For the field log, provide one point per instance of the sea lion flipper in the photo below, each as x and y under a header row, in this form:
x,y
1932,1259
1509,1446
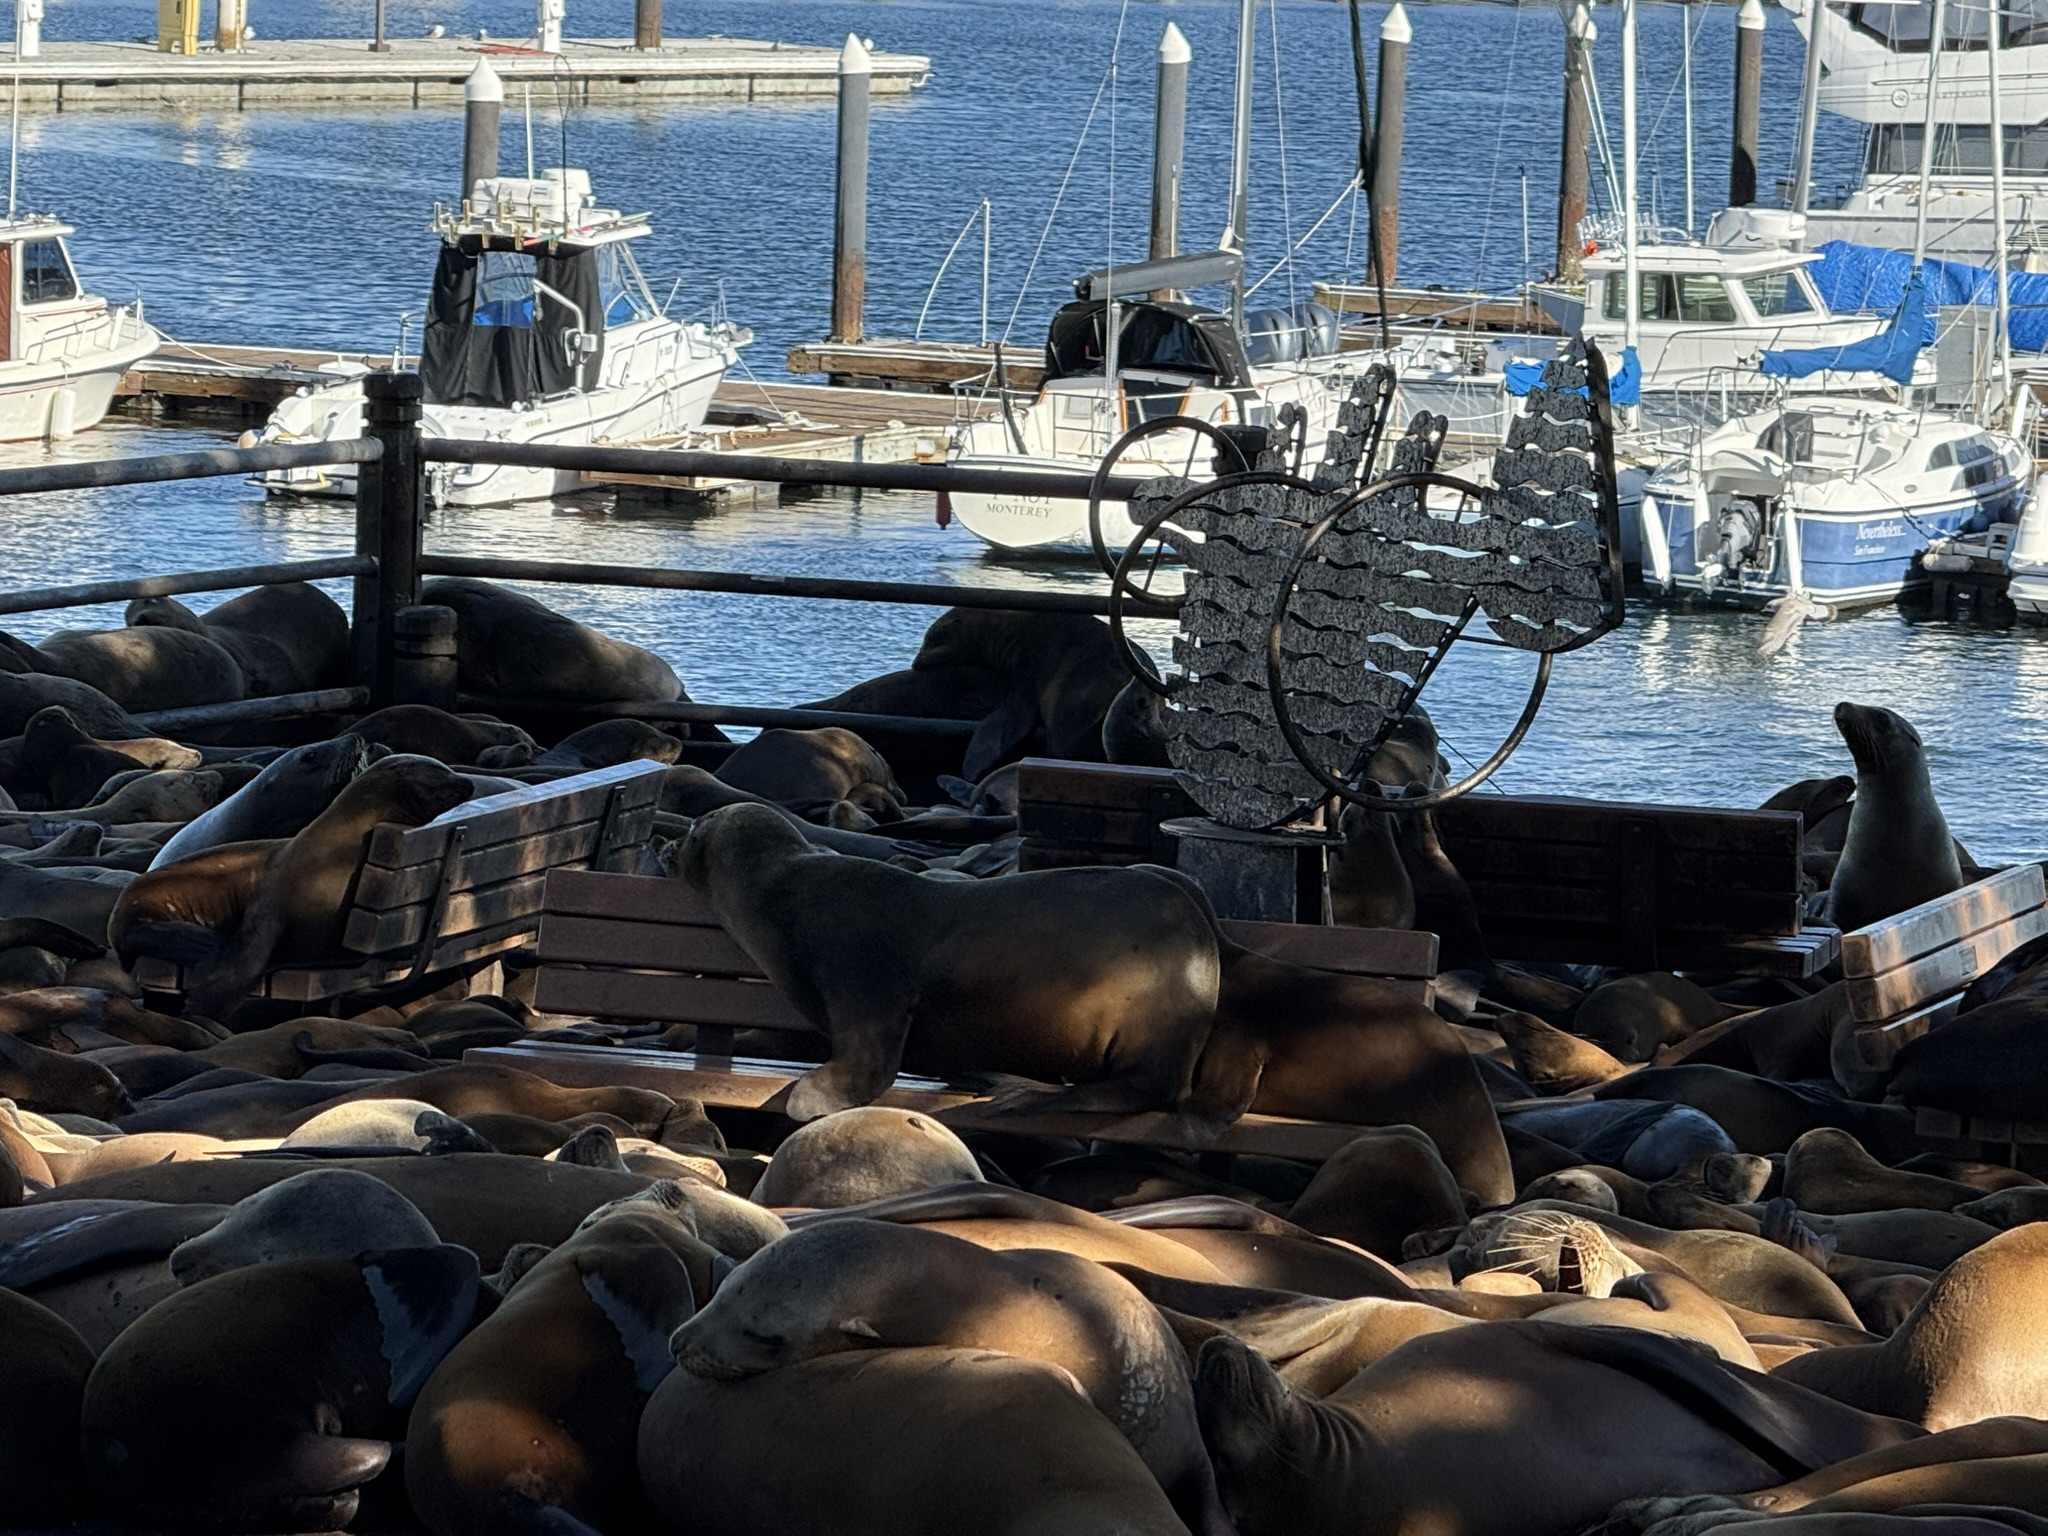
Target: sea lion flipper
x,y
330,1464
645,1295
426,1299
179,943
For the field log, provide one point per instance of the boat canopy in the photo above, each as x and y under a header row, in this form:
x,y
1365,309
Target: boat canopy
x,y
1892,351
1152,337
1863,277
508,326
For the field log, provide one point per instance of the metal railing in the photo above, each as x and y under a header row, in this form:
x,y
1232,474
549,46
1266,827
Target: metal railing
x,y
389,563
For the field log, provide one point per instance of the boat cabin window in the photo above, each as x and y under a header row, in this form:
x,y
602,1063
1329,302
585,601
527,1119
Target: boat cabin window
x,y
1894,148
1781,293
1976,456
623,290
1157,338
504,289
1903,28
1692,298
46,276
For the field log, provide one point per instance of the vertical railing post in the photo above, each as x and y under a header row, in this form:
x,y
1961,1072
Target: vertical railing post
x,y
390,507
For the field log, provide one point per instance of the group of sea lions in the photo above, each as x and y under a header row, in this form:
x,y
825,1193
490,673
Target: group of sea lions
x,y
1608,1253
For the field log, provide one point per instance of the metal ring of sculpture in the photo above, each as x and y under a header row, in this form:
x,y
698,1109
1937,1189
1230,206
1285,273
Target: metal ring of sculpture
x,y
1099,481
1119,574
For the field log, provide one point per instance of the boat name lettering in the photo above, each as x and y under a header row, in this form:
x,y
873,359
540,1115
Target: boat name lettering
x,y
1892,529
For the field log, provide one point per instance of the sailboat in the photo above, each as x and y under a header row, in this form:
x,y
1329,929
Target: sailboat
x,y
1120,357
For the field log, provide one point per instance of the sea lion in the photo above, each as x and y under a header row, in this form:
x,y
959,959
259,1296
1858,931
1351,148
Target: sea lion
x,y
608,743
1761,1116
23,695
324,1213
278,1051
74,764
1626,1413
1369,884
1976,1346
52,1083
264,1398
535,1411
1134,727
1985,1061
936,693
364,1123
295,897
1102,978
288,638
1550,1060
81,900
853,1285
1636,1016
172,796
149,668
279,802
1251,1247
511,645
1063,671
1898,852
421,730
1828,1171
820,767
43,1369
858,1155
897,1439
1378,1189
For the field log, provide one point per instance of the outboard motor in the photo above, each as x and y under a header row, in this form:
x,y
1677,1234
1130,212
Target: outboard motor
x,y
1742,528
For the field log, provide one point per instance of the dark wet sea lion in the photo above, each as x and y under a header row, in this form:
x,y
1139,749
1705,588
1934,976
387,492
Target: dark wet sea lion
x,y
73,764
937,693
932,1439
505,1432
43,1369
849,1285
149,668
610,742
1986,1061
23,695
263,1399
48,1082
421,730
288,638
510,644
1378,1189
1762,1116
1102,978
1063,671
868,1153
1898,852
280,802
827,765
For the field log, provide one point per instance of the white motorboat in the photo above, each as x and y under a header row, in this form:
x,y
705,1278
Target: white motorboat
x,y
2029,563
62,350
1166,359
540,329
1830,498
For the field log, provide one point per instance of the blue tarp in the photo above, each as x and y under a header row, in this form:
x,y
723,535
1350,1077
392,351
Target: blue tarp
x,y
1625,388
1854,277
1891,352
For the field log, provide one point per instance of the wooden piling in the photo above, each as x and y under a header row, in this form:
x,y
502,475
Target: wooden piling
x,y
230,24
483,106
377,42
1749,93
1579,34
423,656
646,24
389,502
1169,138
1395,35
850,221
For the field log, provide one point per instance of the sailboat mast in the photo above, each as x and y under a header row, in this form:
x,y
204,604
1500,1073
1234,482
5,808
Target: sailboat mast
x,y
1809,109
1937,39
1993,22
1235,237
1632,304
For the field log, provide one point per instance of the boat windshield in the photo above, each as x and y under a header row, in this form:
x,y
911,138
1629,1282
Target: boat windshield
x,y
46,276
623,289
1773,294
1694,298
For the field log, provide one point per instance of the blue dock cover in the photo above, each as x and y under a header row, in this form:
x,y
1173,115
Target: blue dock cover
x,y
1891,352
1852,277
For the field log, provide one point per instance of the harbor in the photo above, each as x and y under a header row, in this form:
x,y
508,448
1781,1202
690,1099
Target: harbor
x,y
1240,768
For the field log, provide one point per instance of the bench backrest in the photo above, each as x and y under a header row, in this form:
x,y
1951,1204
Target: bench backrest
x,y
1930,953
645,948
1096,813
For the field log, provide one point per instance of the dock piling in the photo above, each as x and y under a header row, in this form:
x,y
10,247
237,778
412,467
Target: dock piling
x,y
646,24
1749,93
483,108
28,28
230,24
1169,139
1395,35
850,217
390,496
1579,34
423,656
549,24
377,42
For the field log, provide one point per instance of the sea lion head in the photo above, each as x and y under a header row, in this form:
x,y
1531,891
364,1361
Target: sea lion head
x,y
325,1213
165,611
1877,738
405,789
737,837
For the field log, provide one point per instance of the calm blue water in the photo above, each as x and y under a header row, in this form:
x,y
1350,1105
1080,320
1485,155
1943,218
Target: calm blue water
x,y
309,229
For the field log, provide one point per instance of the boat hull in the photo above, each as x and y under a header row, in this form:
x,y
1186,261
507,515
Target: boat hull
x,y
38,404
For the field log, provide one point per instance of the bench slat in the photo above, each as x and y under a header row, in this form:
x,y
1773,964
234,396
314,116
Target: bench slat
x,y
635,898
744,1084
1099,786
1920,931
664,997
518,813
697,950
1685,908
379,889
1878,1045
1388,952
490,906
1564,819
1946,970
1544,864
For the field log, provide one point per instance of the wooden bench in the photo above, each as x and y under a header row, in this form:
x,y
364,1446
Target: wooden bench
x,y
1907,974
468,884
636,949
1583,881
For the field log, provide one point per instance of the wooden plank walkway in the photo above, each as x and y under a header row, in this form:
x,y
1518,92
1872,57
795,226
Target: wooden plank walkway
x,y
72,77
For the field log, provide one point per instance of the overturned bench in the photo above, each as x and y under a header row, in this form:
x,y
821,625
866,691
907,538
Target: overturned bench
x,y
467,885
635,949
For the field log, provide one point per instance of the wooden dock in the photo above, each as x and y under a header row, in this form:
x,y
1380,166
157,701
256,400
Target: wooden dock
x,y
1439,307
73,77
914,365
798,421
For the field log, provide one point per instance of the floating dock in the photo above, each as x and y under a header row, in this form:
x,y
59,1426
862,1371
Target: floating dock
x,y
769,420
73,77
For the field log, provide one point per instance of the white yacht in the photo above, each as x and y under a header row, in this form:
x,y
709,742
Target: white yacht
x,y
2029,564
1165,359
540,329
1875,57
62,350
1831,498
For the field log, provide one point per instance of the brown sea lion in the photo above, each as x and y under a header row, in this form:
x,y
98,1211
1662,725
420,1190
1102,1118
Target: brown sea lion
x,y
513,645
1829,1172
1378,1189
1550,1060
73,764
1063,671
49,1082
1985,1061
816,767
895,1439
288,638
858,1155
43,1369
1636,1016
1898,852
149,668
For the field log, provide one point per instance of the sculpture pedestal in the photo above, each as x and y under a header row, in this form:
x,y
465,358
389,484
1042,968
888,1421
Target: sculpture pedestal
x,y
1268,877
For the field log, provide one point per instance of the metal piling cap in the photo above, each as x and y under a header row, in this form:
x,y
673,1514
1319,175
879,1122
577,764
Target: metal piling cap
x,y
1173,46
853,58
483,84
1751,17
1581,25
1395,29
